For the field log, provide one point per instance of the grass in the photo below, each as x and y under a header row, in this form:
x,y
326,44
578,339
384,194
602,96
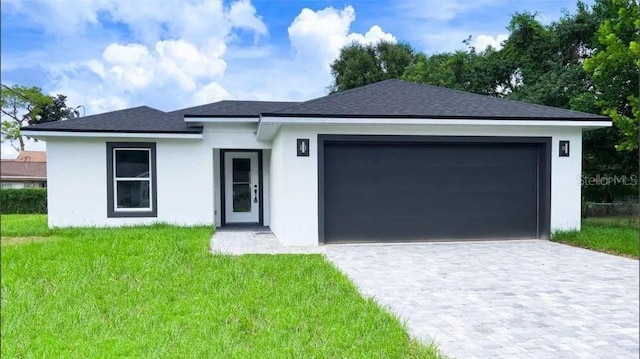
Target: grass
x,y
153,292
628,221
609,235
24,225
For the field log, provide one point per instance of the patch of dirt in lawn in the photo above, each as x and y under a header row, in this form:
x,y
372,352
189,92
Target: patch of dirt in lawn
x,y
9,241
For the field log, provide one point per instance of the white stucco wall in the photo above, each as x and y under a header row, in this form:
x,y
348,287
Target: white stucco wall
x,y
77,183
294,209
279,191
188,175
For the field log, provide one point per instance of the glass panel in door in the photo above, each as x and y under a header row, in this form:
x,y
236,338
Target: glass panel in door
x,y
241,184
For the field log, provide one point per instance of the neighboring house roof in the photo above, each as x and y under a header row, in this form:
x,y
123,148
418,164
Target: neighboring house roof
x,y
384,99
234,109
18,168
397,98
141,119
32,156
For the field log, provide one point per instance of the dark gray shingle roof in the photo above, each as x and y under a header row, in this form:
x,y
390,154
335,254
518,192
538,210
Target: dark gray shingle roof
x,y
234,109
385,99
141,119
396,98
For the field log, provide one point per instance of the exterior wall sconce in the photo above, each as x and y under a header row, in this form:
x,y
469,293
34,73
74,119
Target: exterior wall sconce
x,y
564,149
303,147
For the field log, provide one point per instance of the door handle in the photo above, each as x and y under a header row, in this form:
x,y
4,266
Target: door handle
x,y
255,193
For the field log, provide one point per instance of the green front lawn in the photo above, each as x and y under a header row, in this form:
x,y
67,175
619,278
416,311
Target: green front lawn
x,y
23,225
609,235
157,292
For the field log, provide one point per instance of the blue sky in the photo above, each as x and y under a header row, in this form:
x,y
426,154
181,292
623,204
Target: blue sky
x,y
168,54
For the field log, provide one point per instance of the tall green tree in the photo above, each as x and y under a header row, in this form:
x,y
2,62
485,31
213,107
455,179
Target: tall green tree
x,y
547,59
359,65
22,105
483,73
615,68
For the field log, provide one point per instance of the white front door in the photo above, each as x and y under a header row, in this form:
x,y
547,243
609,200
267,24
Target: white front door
x,y
242,197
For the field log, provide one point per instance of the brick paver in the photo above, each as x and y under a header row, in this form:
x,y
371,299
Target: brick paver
x,y
524,299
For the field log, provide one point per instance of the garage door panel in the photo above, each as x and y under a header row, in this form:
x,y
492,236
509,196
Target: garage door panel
x,y
418,228
400,192
408,202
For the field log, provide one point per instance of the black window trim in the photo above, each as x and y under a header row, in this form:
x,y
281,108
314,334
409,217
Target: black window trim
x,y
111,212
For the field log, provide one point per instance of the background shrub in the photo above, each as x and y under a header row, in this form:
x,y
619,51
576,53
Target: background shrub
x,y
25,200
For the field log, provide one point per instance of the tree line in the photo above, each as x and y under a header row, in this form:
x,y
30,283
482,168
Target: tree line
x,y
587,60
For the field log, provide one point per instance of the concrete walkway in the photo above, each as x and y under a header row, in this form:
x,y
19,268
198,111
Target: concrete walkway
x,y
253,240
508,299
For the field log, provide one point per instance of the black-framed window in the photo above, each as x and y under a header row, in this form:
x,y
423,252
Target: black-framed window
x,y
131,179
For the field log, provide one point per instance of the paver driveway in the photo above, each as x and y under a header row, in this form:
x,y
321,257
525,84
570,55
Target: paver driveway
x,y
504,299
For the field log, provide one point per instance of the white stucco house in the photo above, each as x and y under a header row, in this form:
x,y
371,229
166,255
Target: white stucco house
x,y
390,161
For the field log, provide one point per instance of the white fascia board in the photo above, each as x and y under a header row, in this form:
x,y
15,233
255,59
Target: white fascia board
x,y
45,134
430,121
221,119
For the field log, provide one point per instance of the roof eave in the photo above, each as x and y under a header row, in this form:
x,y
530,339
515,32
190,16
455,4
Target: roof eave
x,y
200,119
360,116
270,123
43,134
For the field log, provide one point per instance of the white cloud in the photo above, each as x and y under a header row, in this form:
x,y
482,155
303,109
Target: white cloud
x,y
190,56
128,65
174,73
211,92
440,10
179,56
319,35
481,42
374,35
243,14
193,20
436,26
58,16
302,73
172,68
105,104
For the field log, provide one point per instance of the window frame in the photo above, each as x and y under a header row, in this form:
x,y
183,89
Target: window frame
x,y
112,210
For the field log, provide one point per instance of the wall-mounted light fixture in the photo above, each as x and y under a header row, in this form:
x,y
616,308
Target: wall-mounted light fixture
x,y
564,149
303,147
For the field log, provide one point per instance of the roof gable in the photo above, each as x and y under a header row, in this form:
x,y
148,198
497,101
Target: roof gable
x,y
402,99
